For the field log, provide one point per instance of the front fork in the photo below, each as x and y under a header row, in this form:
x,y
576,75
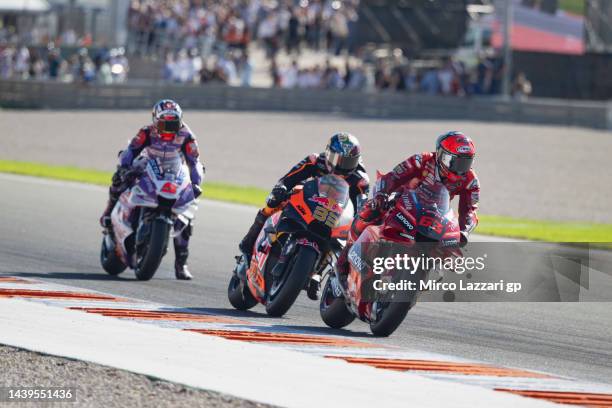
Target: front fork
x,y
281,265
143,231
289,250
241,267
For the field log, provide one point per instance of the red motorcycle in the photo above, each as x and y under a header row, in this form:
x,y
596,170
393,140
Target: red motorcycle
x,y
418,223
297,245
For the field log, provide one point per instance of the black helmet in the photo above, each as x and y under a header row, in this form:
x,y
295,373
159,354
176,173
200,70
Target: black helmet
x,y
342,153
167,118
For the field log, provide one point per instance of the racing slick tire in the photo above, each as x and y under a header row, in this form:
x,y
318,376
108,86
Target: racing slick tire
x,y
393,316
239,295
111,263
156,248
293,281
333,309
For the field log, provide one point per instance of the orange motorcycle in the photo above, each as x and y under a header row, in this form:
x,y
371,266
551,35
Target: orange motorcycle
x,y
298,244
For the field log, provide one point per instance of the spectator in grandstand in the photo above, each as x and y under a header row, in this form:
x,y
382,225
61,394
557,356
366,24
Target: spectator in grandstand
x,y
48,64
521,88
54,63
245,69
333,79
275,74
22,63
430,83
446,78
484,76
354,77
268,34
183,69
227,65
313,24
37,69
339,27
293,32
289,76
158,27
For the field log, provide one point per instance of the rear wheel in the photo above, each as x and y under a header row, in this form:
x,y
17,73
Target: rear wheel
x,y
109,259
156,248
239,294
333,309
283,294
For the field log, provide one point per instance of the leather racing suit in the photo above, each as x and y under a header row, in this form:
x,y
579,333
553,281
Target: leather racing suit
x,y
184,144
417,169
313,165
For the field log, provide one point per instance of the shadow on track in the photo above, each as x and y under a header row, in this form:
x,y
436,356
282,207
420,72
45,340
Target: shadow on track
x,y
228,312
326,331
321,330
93,276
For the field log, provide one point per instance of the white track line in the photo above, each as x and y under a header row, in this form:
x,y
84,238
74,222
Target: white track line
x,y
251,371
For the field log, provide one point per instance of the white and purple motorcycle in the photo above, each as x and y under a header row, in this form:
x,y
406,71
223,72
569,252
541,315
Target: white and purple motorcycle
x,y
160,204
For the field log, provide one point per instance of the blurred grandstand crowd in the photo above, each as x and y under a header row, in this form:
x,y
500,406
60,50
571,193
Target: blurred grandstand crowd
x,y
105,67
204,41
213,26
449,77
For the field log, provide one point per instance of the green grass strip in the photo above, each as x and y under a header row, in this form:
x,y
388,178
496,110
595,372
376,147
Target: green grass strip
x,y
573,6
550,231
213,191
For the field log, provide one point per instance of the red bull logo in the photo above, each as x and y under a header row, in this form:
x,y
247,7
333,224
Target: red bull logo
x,y
328,203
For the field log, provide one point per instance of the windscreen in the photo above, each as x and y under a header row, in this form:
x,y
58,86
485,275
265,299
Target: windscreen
x,y
335,189
169,167
433,197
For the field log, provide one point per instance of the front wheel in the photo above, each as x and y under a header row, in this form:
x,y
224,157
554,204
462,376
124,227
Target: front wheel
x,y
109,259
155,250
390,312
293,281
333,309
239,294
392,316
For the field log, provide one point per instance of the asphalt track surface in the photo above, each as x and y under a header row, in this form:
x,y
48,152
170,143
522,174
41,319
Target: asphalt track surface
x,y
49,231
539,172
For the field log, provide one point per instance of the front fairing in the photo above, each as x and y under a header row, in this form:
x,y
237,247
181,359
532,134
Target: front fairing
x,y
321,206
423,214
165,179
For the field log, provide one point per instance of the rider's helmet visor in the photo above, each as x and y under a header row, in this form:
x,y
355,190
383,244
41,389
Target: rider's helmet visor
x,y
339,162
455,163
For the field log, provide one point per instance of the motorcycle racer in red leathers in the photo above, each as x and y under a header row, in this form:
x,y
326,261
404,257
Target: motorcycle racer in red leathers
x,y
168,134
451,163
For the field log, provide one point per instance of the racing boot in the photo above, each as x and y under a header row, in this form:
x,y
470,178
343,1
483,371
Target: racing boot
x,y
180,263
105,220
114,191
246,245
313,287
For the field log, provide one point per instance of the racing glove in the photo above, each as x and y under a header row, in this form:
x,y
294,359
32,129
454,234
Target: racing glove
x,y
119,176
277,196
379,202
197,190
